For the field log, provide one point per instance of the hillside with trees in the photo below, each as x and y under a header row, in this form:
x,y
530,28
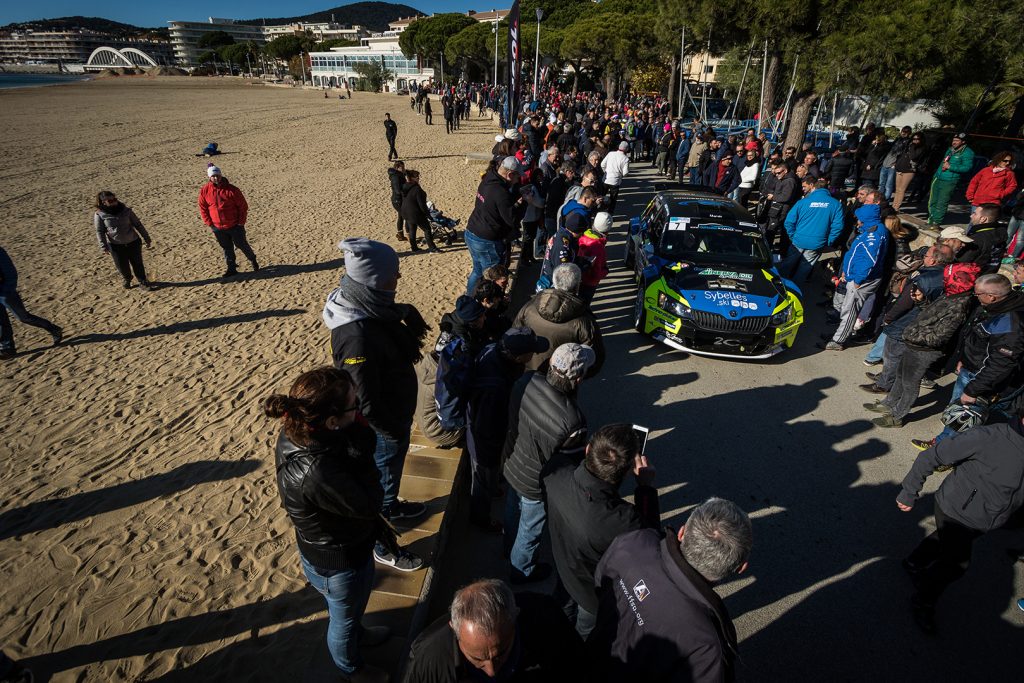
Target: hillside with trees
x,y
373,15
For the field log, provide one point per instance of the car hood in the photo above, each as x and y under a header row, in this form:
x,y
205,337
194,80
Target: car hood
x,y
736,291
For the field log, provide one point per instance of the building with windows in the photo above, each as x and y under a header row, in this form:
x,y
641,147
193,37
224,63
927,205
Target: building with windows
x,y
72,47
702,67
337,67
185,36
321,31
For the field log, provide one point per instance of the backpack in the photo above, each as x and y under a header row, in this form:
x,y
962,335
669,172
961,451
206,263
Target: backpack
x,y
906,265
451,386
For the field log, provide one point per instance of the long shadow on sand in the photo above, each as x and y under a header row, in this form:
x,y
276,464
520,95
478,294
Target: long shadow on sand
x,y
53,512
186,326
267,272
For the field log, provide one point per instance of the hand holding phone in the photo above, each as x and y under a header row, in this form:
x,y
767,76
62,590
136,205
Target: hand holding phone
x,y
643,471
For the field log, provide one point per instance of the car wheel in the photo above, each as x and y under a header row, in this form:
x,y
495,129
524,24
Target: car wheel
x,y
640,312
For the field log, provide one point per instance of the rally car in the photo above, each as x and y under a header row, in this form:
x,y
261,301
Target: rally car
x,y
706,282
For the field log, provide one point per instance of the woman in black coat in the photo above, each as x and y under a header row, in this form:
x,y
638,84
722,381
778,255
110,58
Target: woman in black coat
x,y
330,488
415,212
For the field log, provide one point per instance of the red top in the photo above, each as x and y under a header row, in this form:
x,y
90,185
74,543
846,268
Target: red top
x,y
990,186
222,206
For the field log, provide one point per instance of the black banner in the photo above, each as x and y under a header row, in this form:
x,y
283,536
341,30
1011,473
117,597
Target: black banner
x,y
515,66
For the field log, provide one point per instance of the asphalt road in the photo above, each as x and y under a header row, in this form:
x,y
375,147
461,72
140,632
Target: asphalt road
x,y
788,440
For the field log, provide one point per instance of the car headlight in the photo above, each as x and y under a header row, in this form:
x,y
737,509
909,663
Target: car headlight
x,y
670,305
784,316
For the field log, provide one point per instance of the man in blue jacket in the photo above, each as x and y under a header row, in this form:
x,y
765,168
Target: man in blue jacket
x,y
813,224
863,268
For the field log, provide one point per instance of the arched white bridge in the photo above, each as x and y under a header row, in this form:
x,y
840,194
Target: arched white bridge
x,y
109,57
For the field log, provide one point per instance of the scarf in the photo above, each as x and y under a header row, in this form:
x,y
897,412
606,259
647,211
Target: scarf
x,y
353,301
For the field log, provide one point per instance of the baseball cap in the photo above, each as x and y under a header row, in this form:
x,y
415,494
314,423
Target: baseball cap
x,y
954,232
572,360
510,163
519,340
960,136
623,146
512,134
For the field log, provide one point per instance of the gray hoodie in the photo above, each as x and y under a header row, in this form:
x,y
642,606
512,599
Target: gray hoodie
x,y
986,484
123,227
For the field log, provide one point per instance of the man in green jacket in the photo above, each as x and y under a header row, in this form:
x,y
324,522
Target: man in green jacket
x,y
956,162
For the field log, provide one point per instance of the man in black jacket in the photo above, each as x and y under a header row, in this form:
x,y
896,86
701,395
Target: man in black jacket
x,y
586,513
659,618
991,349
490,634
493,219
984,488
544,420
378,342
390,132
989,237
396,176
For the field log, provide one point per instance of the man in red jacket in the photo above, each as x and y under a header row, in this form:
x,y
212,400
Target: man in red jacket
x,y
224,209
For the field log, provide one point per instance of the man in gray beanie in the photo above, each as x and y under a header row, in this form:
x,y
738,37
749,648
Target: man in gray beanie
x,y
378,342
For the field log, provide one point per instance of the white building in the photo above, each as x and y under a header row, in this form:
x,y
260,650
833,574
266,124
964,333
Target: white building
x,y
185,36
321,31
336,67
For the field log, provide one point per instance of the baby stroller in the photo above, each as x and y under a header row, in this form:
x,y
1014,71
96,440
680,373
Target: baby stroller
x,y
442,226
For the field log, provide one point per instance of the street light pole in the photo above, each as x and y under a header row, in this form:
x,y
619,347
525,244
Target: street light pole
x,y
495,53
536,53
302,64
442,69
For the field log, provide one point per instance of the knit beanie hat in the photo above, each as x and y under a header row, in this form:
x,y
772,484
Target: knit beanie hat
x,y
602,223
468,309
212,170
369,262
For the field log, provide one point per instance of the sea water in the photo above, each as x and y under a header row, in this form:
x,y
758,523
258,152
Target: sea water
x,y
9,80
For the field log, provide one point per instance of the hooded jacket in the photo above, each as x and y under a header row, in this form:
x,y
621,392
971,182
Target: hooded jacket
x,y
120,226
592,246
561,318
993,346
986,484
991,185
493,217
865,259
222,206
414,204
659,620
332,493
543,421
960,163
816,221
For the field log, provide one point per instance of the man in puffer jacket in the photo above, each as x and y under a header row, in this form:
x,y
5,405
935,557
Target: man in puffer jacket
x,y
224,210
926,338
984,488
544,420
559,315
863,268
957,162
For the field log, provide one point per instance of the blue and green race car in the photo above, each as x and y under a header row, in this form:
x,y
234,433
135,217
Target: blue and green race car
x,y
706,282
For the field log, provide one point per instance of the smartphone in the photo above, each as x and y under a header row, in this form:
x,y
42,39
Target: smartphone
x,y
641,437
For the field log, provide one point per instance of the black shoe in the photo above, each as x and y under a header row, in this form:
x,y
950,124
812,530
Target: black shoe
x,y
872,363
405,510
433,250
255,267
873,389
541,571
57,335
127,284
8,354
230,272
149,286
873,376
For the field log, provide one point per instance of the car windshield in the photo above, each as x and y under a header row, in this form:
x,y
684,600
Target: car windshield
x,y
714,244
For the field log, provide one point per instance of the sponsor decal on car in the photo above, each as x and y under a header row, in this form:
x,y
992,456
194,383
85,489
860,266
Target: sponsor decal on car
x,y
730,274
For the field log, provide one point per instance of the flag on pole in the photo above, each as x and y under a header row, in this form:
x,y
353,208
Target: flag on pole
x,y
515,65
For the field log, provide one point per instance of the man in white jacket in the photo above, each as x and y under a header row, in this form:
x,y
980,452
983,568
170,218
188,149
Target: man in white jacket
x,y
616,167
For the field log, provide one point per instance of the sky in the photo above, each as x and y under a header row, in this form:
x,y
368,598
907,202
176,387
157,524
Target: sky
x,y
156,14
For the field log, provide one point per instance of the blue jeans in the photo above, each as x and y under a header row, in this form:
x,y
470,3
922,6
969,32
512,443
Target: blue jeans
x,y
875,354
389,457
963,378
485,253
12,301
524,524
346,591
887,181
799,263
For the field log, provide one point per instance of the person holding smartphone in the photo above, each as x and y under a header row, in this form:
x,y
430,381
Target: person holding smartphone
x,y
586,512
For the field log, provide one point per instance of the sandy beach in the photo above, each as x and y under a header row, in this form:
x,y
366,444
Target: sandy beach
x,y
141,536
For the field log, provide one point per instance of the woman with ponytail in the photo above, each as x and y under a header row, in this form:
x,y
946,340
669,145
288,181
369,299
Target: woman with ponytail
x,y
330,487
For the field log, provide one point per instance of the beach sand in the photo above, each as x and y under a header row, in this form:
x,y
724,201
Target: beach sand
x,y
140,528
